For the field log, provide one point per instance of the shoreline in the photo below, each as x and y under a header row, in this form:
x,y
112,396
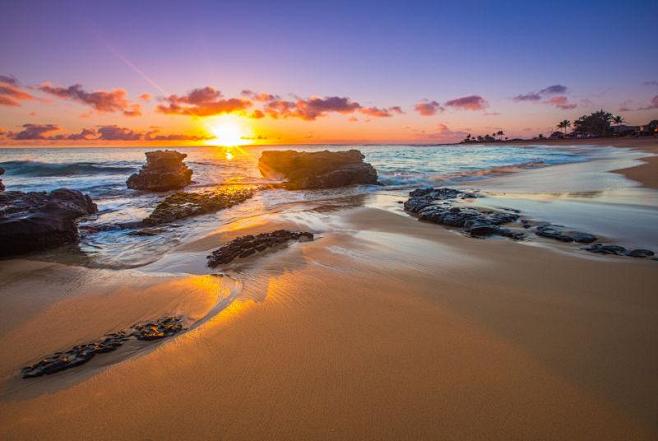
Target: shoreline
x,y
384,327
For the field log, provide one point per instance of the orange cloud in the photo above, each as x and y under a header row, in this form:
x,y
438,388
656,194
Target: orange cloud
x,y
103,101
428,108
11,93
206,101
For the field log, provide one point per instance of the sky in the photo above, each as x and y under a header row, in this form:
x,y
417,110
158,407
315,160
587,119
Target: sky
x,y
158,72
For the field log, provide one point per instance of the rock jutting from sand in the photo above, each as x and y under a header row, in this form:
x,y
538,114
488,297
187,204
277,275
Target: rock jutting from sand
x,y
164,170
437,205
182,205
80,354
37,221
560,233
617,250
309,170
245,246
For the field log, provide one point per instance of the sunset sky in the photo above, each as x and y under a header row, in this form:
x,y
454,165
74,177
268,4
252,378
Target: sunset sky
x,y
148,73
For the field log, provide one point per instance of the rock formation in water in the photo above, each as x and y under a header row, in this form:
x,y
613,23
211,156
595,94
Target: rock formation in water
x,y
308,170
38,220
164,170
2,186
182,205
245,246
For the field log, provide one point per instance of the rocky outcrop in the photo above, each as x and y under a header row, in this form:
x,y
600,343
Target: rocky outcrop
x,y
618,250
2,186
245,246
437,205
309,170
182,205
80,354
563,235
164,170
39,220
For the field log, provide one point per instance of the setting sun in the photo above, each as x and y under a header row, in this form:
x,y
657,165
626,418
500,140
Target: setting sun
x,y
229,130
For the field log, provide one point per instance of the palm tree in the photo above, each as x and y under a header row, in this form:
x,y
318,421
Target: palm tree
x,y
500,133
564,124
618,119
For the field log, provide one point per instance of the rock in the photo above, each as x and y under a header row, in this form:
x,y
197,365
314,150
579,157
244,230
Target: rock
x,y
2,186
245,246
164,170
164,327
606,249
558,233
480,230
80,354
640,252
436,205
506,232
309,170
37,221
182,205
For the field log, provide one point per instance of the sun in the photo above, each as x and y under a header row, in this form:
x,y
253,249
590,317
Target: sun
x,y
228,130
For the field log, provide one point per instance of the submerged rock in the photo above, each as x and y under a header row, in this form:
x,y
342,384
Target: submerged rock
x,y
164,170
37,221
559,233
600,248
80,354
308,170
245,246
182,205
640,252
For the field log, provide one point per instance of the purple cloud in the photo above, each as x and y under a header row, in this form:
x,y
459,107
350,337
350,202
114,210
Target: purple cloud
x,y
471,102
428,108
103,101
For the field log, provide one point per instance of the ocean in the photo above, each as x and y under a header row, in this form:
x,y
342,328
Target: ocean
x,y
102,173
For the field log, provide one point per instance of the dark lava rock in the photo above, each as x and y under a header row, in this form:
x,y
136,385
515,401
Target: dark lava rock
x,y
37,221
164,170
245,246
640,252
182,205
164,327
558,233
80,354
2,186
75,356
600,248
437,205
308,170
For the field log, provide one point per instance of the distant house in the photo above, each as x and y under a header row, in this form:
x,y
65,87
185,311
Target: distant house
x,y
556,135
624,130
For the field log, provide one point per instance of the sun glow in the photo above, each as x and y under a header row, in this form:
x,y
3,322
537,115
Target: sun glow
x,y
228,131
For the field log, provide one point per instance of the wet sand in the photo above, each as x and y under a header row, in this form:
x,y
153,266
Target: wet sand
x,y
382,328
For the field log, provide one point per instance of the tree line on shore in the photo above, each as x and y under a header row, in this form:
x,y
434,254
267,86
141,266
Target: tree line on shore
x,y
595,125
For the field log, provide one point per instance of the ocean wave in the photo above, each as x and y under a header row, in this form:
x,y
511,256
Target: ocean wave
x,y
35,169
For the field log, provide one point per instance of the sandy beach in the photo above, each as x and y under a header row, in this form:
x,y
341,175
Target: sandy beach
x,y
383,327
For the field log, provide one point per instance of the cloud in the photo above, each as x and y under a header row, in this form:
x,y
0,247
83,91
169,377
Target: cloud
x,y
381,112
471,102
311,108
34,132
561,102
153,135
428,108
205,101
11,94
145,97
259,96
103,101
650,83
556,89
85,134
527,97
652,105
116,133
